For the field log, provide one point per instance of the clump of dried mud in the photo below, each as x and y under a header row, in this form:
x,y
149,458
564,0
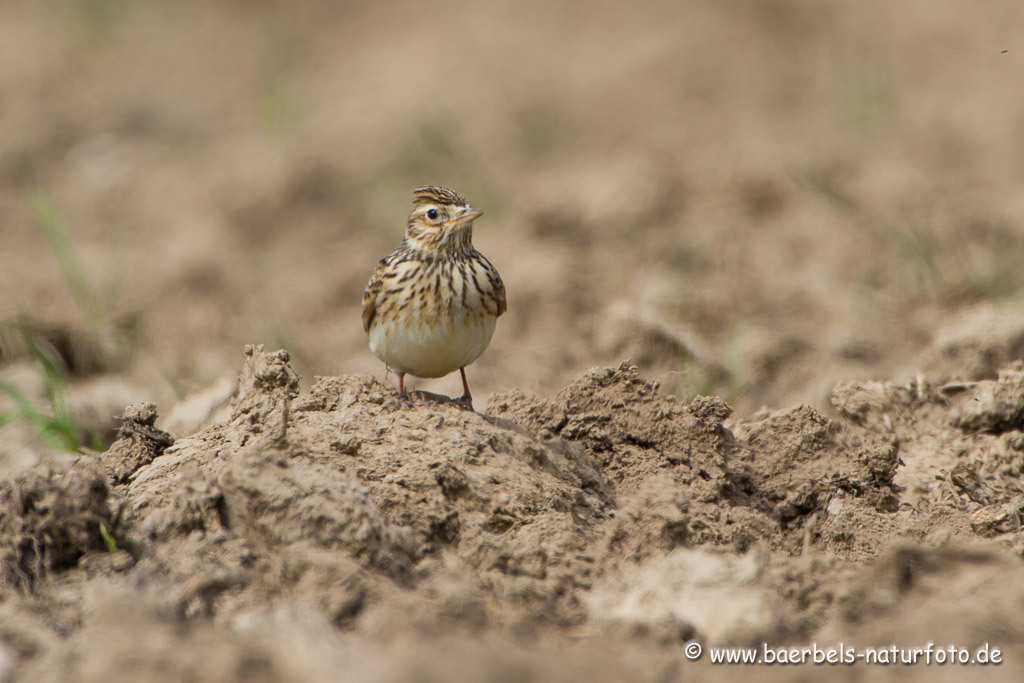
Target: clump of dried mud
x,y
326,534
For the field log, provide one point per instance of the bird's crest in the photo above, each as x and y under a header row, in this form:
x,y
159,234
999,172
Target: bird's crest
x,y
442,196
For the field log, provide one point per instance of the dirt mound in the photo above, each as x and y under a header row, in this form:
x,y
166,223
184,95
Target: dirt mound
x,y
328,526
666,458
138,442
50,516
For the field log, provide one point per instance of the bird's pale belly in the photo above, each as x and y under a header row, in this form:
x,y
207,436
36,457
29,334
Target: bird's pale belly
x,y
431,350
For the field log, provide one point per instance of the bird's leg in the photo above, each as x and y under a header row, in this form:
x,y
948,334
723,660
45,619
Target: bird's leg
x,y
403,398
466,400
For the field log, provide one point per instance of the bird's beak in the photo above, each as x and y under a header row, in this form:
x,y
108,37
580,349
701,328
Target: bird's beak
x,y
467,216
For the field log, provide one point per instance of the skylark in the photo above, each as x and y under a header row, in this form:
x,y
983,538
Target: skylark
x,y
431,305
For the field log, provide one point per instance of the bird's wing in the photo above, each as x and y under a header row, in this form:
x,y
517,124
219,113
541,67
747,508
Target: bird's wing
x,y
373,290
499,295
497,287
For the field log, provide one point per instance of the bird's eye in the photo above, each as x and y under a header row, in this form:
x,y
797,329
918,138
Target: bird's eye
x,y
432,214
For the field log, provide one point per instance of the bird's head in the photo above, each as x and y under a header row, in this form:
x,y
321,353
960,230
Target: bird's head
x,y
441,220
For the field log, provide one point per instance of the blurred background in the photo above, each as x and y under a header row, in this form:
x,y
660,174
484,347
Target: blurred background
x,y
752,198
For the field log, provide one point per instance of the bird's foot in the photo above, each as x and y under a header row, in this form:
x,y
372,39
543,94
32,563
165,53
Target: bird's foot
x,y
465,402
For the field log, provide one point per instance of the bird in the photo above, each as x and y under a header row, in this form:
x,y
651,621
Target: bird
x,y
431,306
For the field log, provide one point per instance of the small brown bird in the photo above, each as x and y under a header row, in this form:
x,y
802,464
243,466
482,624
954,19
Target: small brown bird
x,y
431,305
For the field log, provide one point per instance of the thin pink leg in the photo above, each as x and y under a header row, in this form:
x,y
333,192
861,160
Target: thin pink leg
x,y
466,400
403,398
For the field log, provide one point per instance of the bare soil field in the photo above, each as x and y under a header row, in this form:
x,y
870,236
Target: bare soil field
x,y
759,382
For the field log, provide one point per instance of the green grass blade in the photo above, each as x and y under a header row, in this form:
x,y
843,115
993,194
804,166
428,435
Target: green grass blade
x,y
53,379
44,425
63,422
61,430
25,408
108,540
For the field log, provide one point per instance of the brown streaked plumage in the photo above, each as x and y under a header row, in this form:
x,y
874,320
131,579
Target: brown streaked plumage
x,y
431,305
